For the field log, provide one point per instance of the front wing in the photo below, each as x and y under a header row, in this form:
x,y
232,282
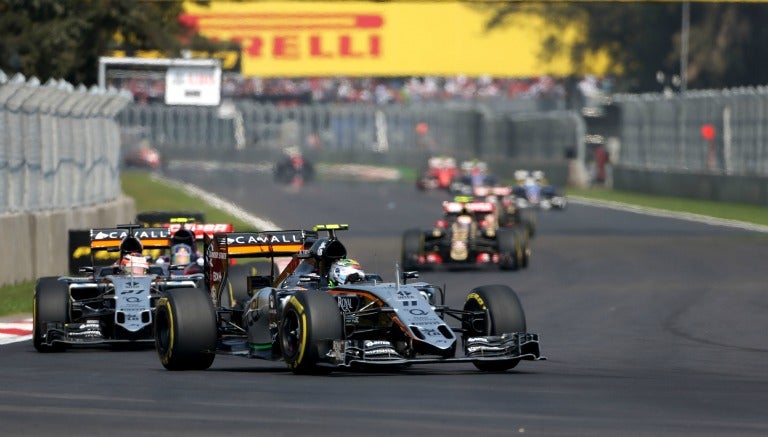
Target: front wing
x,y
522,346
88,333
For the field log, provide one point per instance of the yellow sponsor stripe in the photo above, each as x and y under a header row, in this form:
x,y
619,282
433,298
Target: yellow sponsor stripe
x,y
476,297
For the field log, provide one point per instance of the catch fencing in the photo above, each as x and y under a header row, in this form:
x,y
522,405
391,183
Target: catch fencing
x,y
59,145
509,134
713,132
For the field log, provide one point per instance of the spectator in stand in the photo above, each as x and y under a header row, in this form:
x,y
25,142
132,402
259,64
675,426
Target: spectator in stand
x,y
370,90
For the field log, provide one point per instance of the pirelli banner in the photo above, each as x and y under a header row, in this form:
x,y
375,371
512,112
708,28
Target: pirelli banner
x,y
284,39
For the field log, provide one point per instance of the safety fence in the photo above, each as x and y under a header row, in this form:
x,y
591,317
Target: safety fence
x,y
59,145
713,132
506,134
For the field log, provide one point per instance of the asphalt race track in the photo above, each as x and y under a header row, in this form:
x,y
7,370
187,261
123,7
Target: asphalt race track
x,y
652,326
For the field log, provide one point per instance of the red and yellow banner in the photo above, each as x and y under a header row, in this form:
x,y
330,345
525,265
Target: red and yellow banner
x,y
280,39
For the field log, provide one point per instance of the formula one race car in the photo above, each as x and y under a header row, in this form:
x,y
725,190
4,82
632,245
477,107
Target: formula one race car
x,y
473,174
293,168
532,190
468,235
508,212
315,322
113,304
440,171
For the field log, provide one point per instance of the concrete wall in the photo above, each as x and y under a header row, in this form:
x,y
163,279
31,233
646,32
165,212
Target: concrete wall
x,y
703,186
37,243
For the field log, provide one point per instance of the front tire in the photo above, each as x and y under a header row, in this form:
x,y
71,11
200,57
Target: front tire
x,y
310,321
503,313
185,330
50,304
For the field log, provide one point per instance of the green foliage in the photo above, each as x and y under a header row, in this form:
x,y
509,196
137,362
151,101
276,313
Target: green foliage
x,y
17,298
149,196
65,38
642,38
152,196
757,214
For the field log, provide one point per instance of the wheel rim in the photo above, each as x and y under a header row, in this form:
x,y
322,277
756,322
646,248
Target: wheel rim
x,y
291,334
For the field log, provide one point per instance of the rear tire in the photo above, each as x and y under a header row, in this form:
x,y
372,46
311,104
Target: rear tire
x,y
510,251
525,248
185,330
503,314
310,321
50,304
529,223
238,285
413,248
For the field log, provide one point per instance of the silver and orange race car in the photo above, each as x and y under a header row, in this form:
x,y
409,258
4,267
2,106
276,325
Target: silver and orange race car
x,y
298,316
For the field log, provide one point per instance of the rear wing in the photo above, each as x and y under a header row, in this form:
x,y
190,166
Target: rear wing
x,y
225,246
110,238
201,229
267,244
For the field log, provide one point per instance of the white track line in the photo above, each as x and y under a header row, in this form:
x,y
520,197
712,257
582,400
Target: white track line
x,y
669,214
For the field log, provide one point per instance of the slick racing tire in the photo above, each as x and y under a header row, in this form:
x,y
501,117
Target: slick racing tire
x,y
510,249
525,249
413,247
528,223
310,321
503,313
185,330
50,304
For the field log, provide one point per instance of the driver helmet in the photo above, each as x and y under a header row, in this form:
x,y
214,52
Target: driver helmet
x,y
134,263
342,271
181,254
183,236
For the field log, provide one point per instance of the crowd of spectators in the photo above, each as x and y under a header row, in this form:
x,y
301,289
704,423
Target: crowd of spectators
x,y
369,90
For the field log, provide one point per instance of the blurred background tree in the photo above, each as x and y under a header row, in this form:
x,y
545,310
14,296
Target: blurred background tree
x,y
727,43
64,38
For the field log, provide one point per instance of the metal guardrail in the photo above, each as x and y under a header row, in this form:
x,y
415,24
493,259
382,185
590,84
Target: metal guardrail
x,y
59,145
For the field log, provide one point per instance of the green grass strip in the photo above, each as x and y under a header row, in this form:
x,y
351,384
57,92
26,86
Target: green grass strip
x,y
725,210
149,196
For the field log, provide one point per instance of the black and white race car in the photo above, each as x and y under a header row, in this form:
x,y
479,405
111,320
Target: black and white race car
x,y
108,304
296,316
468,235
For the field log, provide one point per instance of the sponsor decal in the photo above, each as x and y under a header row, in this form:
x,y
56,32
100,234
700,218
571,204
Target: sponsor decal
x,y
346,304
263,238
377,343
119,234
431,332
216,255
321,248
281,38
299,36
417,312
476,297
201,228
